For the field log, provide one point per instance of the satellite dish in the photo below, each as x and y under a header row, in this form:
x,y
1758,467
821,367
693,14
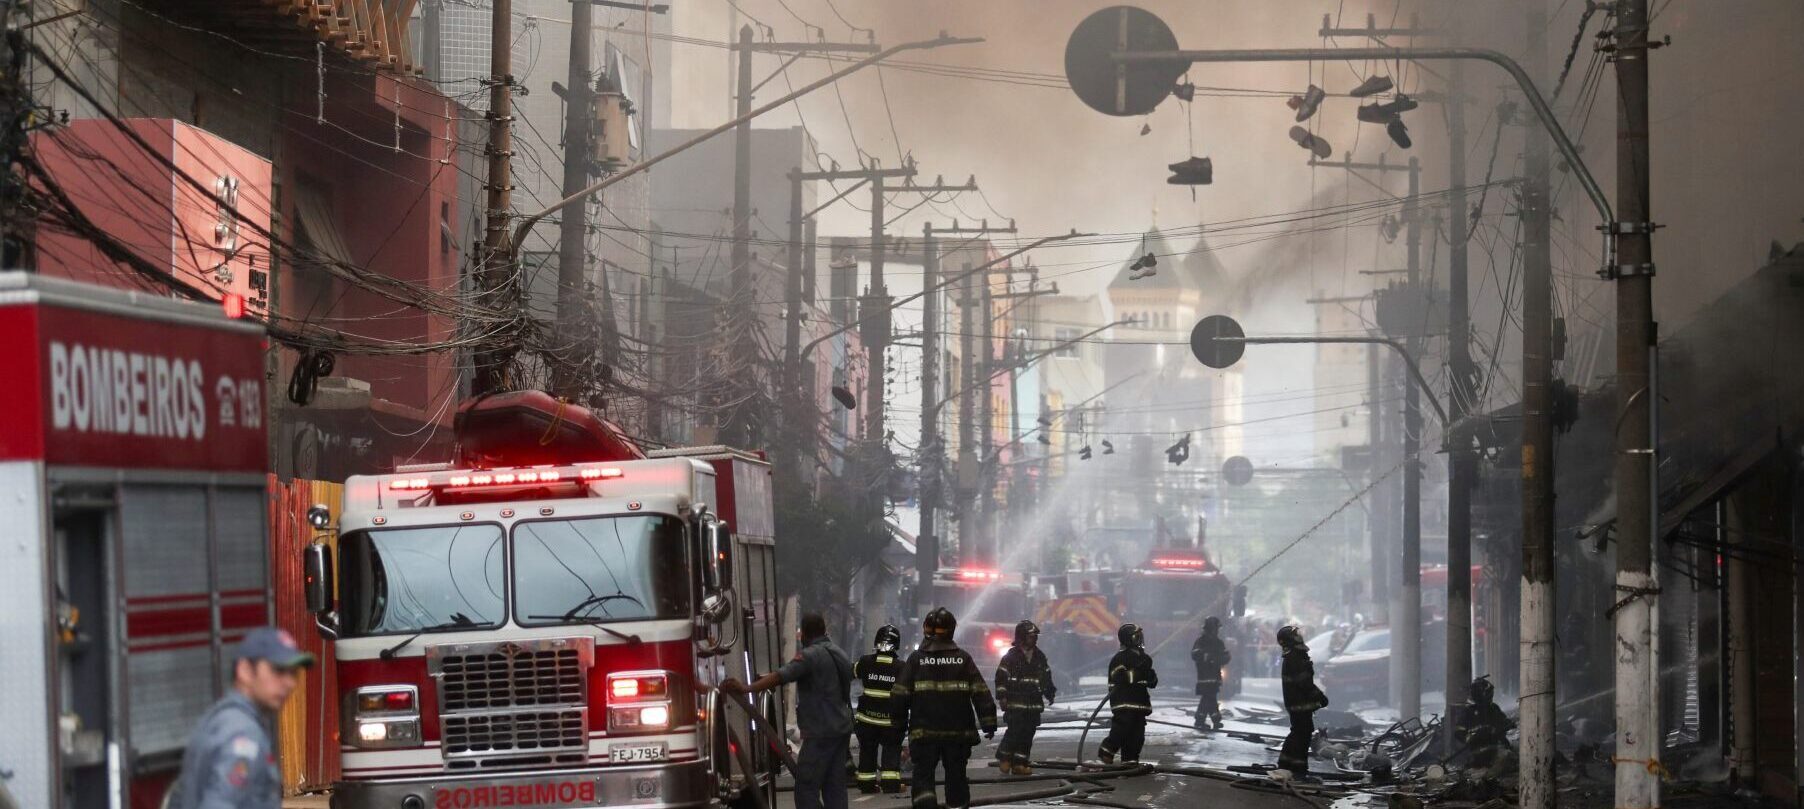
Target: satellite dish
x,y
1237,471
1120,88
1212,352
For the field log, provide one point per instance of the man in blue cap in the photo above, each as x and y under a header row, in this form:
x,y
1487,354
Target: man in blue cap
x,y
230,762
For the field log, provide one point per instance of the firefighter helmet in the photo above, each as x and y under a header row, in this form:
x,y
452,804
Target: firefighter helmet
x,y
889,638
1211,624
939,624
1483,691
1291,637
1131,636
1026,632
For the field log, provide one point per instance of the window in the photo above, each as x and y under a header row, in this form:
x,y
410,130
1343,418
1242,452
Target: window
x,y
600,569
421,579
1062,338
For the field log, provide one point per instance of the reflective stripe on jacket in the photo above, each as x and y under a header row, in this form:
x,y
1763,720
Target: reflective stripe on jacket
x,y
1131,680
876,673
1024,680
941,696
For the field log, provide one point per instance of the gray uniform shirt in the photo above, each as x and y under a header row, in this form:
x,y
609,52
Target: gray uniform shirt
x,y
823,677
229,763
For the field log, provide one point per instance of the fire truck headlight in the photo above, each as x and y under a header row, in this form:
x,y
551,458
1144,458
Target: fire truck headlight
x,y
383,716
655,716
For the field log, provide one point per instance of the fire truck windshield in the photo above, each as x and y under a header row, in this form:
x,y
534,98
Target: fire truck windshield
x,y
1160,598
395,580
600,569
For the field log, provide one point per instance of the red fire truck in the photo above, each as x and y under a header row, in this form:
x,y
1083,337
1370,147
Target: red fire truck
x,y
132,462
1169,596
542,623
987,603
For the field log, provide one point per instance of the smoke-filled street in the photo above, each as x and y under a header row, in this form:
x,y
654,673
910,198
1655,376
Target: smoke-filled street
x,y
741,404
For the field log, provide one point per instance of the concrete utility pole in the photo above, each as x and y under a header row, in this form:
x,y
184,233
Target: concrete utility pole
x,y
927,540
1462,459
1637,480
1406,611
877,303
1409,614
497,252
572,253
738,430
1538,596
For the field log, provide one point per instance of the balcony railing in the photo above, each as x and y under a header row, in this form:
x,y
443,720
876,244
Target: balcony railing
x,y
372,32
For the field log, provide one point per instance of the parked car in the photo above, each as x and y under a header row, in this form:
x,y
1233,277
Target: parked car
x,y
1362,670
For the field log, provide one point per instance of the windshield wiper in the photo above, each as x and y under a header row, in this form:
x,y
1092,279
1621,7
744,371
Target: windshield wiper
x,y
593,600
591,621
458,620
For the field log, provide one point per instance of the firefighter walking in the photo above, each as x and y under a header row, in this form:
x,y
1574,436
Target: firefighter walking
x,y
1131,680
942,699
1211,657
879,734
1301,700
1025,687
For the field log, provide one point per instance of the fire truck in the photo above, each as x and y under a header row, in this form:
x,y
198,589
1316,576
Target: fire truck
x,y
543,622
1169,596
133,466
988,603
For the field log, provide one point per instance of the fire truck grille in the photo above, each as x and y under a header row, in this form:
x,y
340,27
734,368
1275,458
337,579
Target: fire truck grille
x,y
524,679
514,703
506,738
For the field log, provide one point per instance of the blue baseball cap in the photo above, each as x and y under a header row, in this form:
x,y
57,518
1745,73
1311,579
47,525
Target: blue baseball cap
x,y
274,645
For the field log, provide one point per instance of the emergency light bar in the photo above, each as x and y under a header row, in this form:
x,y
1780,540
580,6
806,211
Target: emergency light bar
x,y
979,574
1180,563
523,477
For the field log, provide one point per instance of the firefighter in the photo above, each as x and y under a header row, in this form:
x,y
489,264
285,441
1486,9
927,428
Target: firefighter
x,y
823,678
1482,726
943,700
230,762
1301,700
1211,656
1024,686
879,737
1131,680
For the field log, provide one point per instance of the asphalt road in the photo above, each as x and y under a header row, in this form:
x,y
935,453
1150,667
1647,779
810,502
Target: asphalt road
x,y
1165,745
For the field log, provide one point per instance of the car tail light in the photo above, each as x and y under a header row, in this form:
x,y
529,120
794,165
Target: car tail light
x,y
638,702
383,716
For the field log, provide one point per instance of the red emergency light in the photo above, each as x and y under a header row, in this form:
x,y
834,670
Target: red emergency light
x,y
517,477
979,574
1171,562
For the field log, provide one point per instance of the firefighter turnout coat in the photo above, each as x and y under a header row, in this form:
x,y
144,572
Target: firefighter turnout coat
x,y
877,673
1024,680
1300,692
1131,679
940,696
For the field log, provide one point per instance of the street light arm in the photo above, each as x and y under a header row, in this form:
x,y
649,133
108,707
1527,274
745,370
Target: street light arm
x,y
1527,85
643,165
1408,360
1023,363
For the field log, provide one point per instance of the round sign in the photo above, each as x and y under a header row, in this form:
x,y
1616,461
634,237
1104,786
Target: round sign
x,y
1237,471
1121,88
1217,353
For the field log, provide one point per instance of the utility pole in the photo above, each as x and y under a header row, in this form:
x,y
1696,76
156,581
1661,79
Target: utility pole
x,y
1538,595
1462,459
493,285
877,303
969,477
927,541
738,430
1637,481
1409,616
1406,611
572,255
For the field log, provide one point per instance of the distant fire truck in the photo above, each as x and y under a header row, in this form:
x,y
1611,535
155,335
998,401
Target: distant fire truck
x,y
1169,596
133,466
988,604
543,622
